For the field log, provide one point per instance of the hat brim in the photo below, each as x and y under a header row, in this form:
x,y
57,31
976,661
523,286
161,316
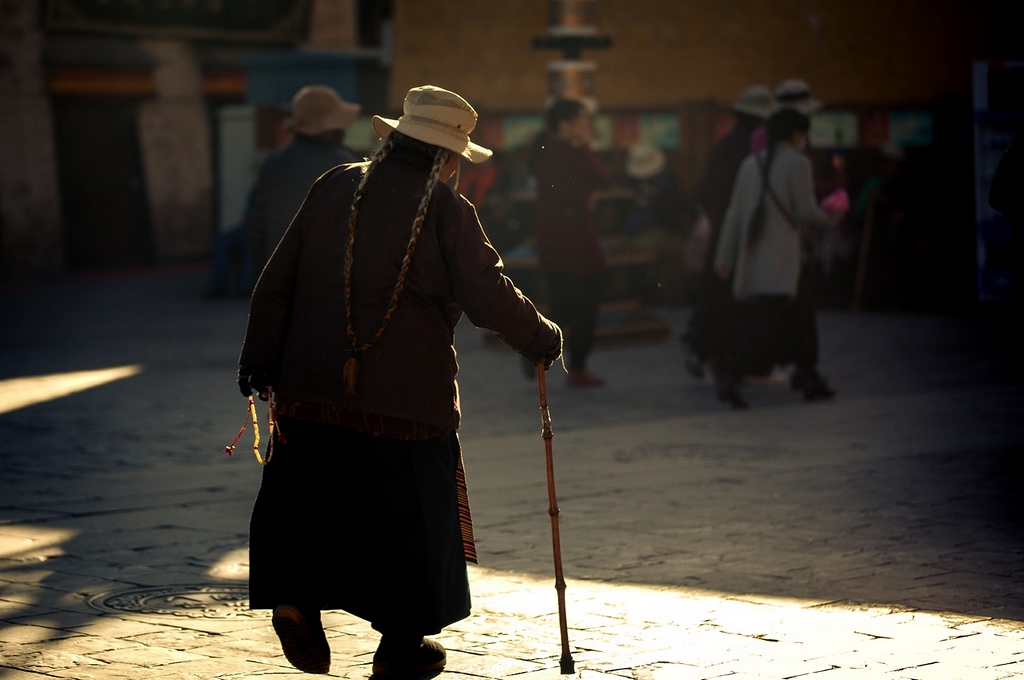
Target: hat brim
x,y
764,112
472,152
808,107
645,168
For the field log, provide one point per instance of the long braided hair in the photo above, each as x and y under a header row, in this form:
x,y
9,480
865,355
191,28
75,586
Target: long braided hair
x,y
356,349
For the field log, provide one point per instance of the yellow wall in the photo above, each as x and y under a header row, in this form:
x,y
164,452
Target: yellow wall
x,y
851,51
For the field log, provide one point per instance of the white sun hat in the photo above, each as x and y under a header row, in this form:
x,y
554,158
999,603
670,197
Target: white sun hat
x,y
755,100
796,94
644,161
436,116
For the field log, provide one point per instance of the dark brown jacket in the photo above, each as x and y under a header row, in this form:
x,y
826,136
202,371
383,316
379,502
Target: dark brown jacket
x,y
567,239
296,330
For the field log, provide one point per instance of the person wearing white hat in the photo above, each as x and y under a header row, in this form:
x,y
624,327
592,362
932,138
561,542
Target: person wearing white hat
x,y
794,93
351,336
655,210
762,251
708,336
318,120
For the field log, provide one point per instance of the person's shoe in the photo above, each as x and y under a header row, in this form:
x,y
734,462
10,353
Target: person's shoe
x,y
583,378
729,391
735,399
304,644
816,387
427,656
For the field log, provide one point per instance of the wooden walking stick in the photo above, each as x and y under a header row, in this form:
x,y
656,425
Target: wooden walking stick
x,y
566,663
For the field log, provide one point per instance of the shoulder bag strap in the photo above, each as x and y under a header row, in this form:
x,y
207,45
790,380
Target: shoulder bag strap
x,y
775,199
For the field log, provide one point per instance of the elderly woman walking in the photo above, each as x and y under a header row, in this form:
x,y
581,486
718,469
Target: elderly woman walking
x,y
351,337
763,248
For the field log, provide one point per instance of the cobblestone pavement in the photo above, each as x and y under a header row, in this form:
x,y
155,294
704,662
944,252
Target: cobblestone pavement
x,y
874,536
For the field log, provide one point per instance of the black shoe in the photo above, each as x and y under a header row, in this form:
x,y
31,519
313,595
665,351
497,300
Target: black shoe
x,y
408,660
817,387
302,639
730,392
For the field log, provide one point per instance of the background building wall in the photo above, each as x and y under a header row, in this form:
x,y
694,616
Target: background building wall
x,y
30,228
177,153
333,25
666,51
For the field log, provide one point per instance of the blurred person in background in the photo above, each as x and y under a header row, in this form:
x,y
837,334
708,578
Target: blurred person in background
x,y
569,251
763,250
318,119
795,94
351,335
708,331
231,262
655,208
884,212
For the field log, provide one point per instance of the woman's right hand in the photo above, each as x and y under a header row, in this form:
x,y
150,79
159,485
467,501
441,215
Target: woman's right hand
x,y
554,352
250,379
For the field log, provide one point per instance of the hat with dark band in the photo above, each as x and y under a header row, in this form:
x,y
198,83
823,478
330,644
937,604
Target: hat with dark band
x,y
436,116
796,94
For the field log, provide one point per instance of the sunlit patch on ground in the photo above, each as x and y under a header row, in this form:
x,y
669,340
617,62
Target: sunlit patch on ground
x,y
21,544
233,566
616,631
16,393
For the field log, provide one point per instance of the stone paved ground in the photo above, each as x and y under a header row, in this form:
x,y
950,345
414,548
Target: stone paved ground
x,y
876,536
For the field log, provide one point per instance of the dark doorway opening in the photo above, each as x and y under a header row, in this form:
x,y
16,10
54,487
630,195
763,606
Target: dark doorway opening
x,y
106,218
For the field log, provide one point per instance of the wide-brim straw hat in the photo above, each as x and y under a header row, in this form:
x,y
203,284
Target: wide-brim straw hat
x,y
796,94
755,100
644,161
317,109
439,117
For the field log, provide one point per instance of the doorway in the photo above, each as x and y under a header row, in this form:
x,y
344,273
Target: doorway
x,y
103,191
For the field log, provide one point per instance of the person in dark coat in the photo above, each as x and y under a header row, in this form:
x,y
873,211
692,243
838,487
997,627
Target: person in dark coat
x,y
571,259
351,329
709,329
319,117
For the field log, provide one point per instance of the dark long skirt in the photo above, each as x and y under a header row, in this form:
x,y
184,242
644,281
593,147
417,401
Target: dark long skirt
x,y
715,322
345,520
775,331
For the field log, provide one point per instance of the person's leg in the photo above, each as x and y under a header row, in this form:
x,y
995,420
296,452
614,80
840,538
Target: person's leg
x,y
806,377
282,556
699,328
443,588
757,345
588,291
574,301
749,319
